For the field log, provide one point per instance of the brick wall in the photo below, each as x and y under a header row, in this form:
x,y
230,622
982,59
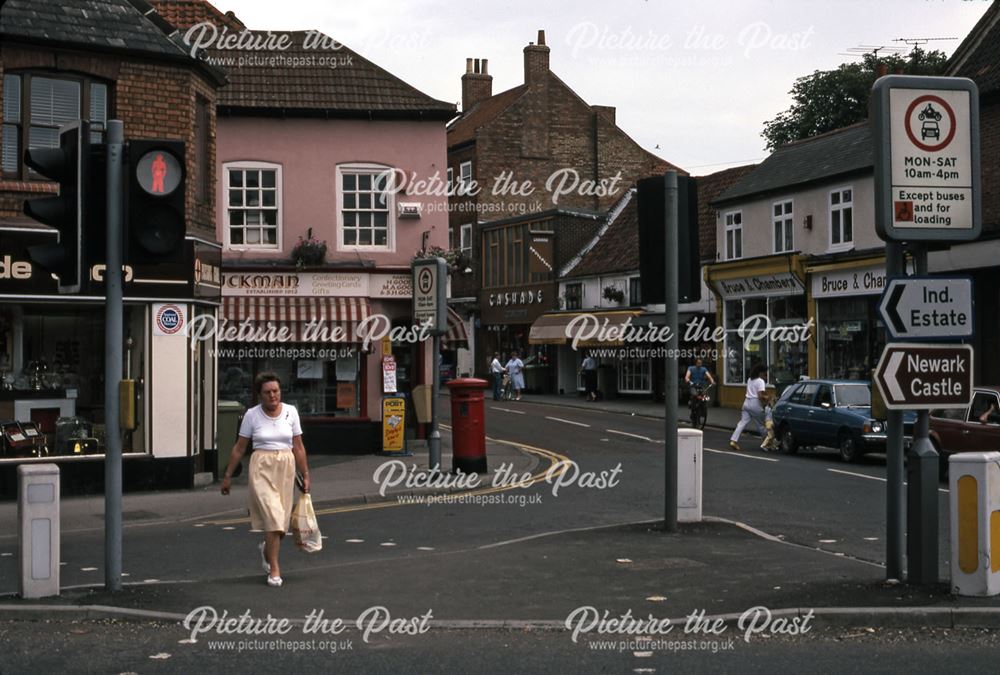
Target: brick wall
x,y
153,100
989,141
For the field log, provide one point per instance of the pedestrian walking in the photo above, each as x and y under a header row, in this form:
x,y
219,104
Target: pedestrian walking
x,y
515,368
496,370
274,430
589,371
753,405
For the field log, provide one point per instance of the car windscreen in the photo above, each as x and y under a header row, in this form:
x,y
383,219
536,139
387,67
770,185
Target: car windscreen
x,y
853,394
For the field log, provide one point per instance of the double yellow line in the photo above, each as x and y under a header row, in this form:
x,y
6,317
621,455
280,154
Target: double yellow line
x,y
558,465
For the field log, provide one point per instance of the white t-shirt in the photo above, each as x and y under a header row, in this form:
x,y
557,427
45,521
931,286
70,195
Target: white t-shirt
x,y
496,367
754,387
271,433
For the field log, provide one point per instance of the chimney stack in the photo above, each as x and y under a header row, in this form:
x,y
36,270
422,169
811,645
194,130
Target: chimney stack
x,y
606,111
536,61
477,83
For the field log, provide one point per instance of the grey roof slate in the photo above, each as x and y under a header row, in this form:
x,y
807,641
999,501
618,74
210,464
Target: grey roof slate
x,y
978,57
834,153
95,24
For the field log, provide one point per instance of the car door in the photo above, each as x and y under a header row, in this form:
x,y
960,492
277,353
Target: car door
x,y
948,426
823,418
801,407
982,426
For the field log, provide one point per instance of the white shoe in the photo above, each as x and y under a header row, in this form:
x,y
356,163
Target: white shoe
x,y
274,581
266,565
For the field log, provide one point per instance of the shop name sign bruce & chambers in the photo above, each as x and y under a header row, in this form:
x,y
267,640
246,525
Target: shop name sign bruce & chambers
x,y
767,284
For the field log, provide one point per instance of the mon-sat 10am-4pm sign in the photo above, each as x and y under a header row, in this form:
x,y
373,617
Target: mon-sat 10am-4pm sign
x,y
926,158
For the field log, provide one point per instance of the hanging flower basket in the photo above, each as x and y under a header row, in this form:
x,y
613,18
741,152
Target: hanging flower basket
x,y
309,251
614,294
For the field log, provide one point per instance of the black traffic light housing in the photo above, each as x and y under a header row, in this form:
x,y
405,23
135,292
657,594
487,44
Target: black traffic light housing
x,y
156,188
68,165
651,204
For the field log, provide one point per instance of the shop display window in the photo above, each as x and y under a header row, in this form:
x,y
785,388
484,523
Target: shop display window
x,y
850,338
786,360
316,387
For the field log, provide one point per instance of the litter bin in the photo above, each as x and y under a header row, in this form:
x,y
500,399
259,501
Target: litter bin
x,y
468,425
227,426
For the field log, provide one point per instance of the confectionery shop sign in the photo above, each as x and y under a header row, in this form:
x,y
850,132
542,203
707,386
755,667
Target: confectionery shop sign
x,y
927,158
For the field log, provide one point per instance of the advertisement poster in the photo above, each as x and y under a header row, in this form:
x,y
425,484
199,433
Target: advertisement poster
x,y
393,424
388,375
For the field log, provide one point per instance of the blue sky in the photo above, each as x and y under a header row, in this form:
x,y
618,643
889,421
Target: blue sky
x,y
698,79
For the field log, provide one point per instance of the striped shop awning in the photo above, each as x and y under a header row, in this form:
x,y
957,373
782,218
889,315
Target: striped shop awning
x,y
259,318
457,336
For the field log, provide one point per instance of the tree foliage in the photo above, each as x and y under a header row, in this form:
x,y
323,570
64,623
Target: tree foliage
x,y
831,99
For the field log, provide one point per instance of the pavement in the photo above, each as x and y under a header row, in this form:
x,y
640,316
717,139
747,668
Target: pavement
x,y
722,568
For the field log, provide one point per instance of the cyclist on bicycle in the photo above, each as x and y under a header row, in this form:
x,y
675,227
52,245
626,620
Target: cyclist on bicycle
x,y
695,378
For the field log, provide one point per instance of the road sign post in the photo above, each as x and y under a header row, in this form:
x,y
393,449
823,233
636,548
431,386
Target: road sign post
x,y
430,306
922,308
924,376
926,158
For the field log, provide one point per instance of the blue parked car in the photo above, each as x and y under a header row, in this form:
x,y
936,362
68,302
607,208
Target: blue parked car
x,y
831,413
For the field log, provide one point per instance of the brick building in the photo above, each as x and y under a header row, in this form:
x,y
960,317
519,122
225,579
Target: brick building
x,y
978,58
523,156
97,61
307,133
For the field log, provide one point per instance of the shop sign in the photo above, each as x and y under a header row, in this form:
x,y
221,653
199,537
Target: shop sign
x,y
394,424
389,374
390,286
841,283
207,271
168,319
762,285
345,395
927,159
322,284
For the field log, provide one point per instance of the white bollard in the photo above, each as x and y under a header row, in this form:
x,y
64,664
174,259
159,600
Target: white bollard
x,y
38,529
689,452
974,501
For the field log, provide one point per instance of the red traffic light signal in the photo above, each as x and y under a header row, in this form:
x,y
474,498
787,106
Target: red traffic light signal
x,y
156,207
68,165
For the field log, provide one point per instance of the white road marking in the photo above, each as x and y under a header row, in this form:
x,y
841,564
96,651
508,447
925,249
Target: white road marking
x,y
425,548
864,475
625,433
229,527
737,454
88,569
516,412
828,541
355,541
388,543
559,419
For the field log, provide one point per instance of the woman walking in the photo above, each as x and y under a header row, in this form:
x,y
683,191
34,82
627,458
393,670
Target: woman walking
x,y
753,405
515,368
276,433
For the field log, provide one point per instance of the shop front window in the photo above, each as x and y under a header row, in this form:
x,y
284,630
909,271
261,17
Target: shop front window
x,y
850,339
634,376
316,387
782,352
52,380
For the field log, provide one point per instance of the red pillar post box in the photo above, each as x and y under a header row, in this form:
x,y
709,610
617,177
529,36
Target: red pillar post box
x,y
468,425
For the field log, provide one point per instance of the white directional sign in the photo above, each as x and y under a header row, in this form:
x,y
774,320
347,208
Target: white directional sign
x,y
925,376
927,158
928,307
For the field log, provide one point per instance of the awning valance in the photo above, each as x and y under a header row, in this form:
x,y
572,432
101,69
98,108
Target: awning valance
x,y
456,337
298,319
550,329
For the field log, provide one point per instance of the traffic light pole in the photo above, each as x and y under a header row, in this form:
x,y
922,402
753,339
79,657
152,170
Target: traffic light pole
x,y
670,369
113,362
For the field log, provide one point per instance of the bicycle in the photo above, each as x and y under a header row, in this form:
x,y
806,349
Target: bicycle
x,y
698,404
507,388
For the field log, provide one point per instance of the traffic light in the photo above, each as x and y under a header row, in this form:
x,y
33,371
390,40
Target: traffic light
x,y
651,204
156,189
68,165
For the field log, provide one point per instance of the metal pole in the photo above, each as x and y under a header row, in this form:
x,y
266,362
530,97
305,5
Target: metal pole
x,y
113,363
434,440
895,513
670,370
922,498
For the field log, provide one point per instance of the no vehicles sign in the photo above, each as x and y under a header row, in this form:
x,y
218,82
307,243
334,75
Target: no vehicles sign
x,y
927,158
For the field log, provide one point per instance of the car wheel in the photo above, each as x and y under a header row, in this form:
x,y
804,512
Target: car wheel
x,y
848,447
789,445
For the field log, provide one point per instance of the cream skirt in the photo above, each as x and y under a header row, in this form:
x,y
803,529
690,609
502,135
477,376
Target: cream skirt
x,y
272,489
